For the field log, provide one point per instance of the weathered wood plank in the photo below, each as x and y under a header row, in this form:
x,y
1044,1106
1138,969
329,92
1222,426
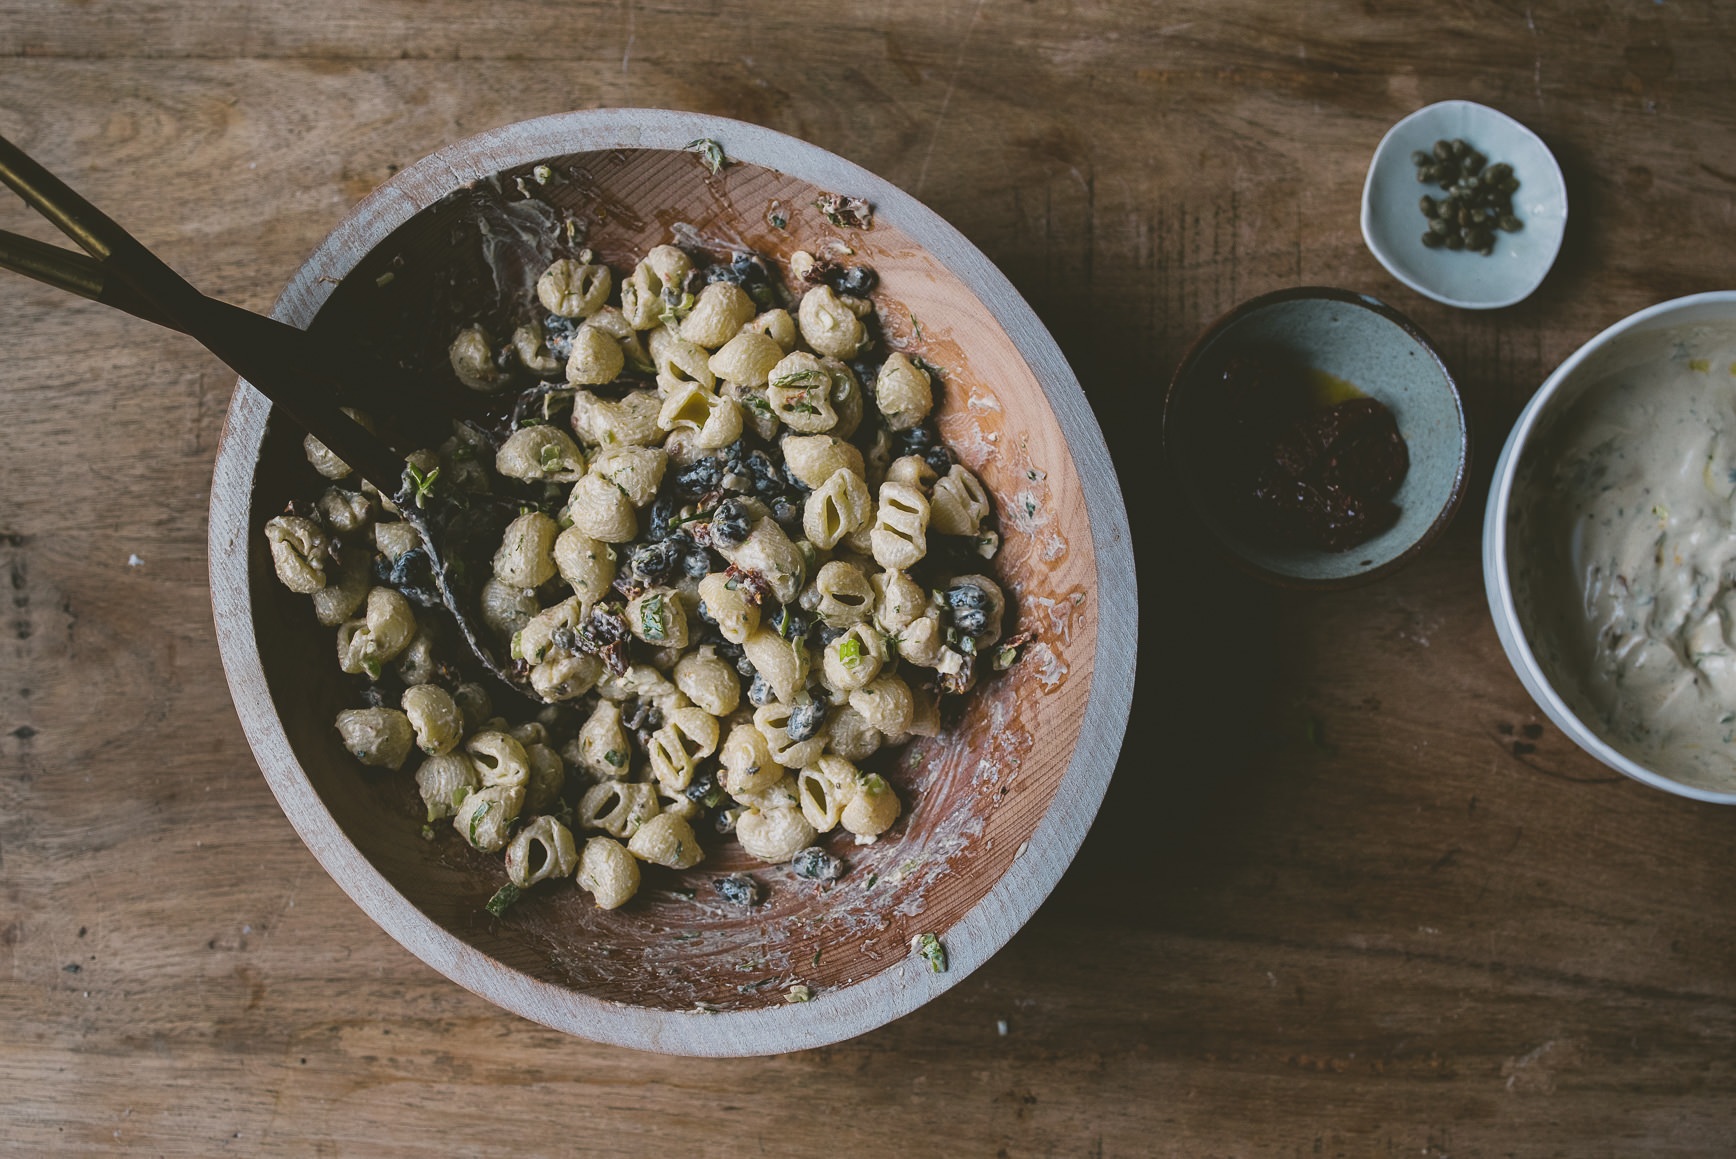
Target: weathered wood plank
x,y
1350,894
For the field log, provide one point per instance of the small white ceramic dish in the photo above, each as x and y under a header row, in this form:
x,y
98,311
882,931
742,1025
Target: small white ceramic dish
x,y
1393,225
1508,556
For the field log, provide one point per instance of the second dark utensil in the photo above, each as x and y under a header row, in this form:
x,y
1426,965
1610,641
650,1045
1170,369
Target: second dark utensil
x,y
283,363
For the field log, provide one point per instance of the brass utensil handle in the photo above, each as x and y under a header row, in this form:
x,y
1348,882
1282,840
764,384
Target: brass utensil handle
x,y
268,359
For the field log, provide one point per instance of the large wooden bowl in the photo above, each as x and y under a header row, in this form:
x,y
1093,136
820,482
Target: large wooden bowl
x,y
994,810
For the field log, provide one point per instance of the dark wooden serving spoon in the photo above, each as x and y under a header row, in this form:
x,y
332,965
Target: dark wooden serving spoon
x,y
296,371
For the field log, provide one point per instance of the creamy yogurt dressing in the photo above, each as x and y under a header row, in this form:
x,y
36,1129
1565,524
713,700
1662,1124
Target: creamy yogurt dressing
x,y
1636,489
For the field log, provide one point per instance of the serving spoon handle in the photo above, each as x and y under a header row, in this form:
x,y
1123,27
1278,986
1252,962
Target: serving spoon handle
x,y
121,272
282,362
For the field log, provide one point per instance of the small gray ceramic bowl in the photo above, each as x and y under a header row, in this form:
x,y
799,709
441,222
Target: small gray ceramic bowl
x,y
1363,342
1522,557
1393,223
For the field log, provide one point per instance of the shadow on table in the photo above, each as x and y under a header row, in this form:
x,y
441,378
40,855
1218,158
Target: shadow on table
x,y
1201,704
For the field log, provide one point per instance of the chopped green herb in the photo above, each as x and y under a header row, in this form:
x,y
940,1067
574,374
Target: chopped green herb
x,y
651,617
929,947
477,816
915,327
803,408
872,878
801,378
817,956
696,516
778,220
422,485
758,403
673,314
710,152
503,897
615,757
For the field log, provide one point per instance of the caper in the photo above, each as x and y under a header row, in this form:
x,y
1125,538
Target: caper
x,y
1477,198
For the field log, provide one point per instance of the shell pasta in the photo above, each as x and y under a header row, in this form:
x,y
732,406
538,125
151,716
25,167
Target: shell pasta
x,y
744,569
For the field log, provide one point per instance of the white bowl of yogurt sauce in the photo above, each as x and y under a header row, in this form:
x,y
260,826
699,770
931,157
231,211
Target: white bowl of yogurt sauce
x,y
1609,546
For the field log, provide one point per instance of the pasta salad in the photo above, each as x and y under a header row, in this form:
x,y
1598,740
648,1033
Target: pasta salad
x,y
743,564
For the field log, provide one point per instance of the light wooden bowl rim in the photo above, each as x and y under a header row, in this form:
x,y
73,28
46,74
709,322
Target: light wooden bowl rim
x,y
836,1015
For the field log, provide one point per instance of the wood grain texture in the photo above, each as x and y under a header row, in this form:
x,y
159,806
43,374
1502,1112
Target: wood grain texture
x,y
1434,928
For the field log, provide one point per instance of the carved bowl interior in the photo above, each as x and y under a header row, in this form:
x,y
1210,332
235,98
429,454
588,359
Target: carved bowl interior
x,y
993,809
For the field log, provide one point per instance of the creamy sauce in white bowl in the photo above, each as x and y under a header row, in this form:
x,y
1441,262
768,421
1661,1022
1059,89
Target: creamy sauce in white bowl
x,y
1629,503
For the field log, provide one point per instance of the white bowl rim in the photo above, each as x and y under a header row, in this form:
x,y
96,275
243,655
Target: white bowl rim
x,y
1499,588
831,1016
1371,239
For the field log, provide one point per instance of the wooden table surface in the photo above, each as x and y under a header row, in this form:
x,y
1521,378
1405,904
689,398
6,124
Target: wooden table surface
x,y
1350,894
